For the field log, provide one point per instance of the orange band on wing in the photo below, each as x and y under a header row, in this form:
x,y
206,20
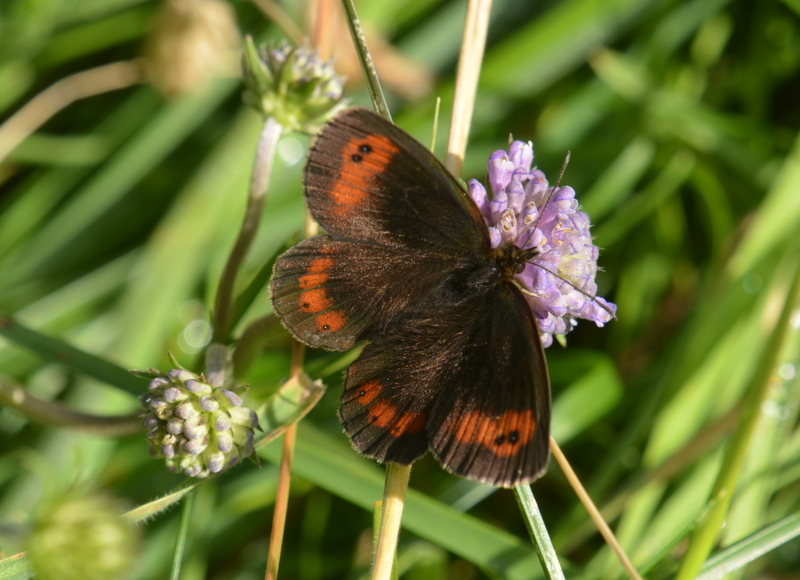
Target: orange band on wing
x,y
332,321
318,265
369,391
312,280
409,423
315,300
362,159
503,434
382,413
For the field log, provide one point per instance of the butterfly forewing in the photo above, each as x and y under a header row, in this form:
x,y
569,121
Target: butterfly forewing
x,y
395,219
368,180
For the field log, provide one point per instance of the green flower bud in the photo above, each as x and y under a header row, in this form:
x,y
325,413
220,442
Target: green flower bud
x,y
197,428
292,85
81,537
191,42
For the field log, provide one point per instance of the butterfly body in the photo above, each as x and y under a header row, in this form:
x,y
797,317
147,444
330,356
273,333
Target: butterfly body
x,y
454,362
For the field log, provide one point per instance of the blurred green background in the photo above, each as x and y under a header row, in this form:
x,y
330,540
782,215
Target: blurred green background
x,y
117,214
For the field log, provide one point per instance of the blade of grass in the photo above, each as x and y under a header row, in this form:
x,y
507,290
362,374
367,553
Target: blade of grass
x,y
538,531
331,464
529,60
16,567
180,539
594,513
55,414
84,84
137,157
179,249
708,530
367,67
56,350
754,546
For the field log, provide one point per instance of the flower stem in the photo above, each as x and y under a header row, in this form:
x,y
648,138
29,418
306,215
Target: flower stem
x,y
594,513
538,531
394,494
217,357
183,532
250,342
56,414
259,185
285,472
281,504
469,68
360,43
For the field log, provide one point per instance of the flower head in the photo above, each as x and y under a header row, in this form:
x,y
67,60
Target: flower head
x,y
81,535
292,84
192,42
197,428
524,211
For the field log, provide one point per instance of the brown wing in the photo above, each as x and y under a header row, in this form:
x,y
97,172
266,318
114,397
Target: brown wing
x,y
368,180
467,379
397,222
331,293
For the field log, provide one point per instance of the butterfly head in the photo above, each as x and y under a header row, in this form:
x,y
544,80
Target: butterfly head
x,y
542,241
511,260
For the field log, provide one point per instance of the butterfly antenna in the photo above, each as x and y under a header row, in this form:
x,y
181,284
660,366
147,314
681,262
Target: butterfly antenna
x,y
563,168
548,196
589,296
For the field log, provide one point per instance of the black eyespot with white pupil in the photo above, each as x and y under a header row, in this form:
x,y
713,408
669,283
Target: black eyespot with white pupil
x,y
513,438
362,150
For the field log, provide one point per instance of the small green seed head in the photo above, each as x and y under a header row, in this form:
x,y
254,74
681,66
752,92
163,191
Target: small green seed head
x,y
292,84
79,536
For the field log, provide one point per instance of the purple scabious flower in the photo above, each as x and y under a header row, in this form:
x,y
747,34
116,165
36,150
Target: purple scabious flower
x,y
524,211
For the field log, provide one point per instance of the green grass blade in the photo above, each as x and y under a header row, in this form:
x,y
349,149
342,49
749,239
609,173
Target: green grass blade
x,y
754,546
58,351
333,466
538,531
708,530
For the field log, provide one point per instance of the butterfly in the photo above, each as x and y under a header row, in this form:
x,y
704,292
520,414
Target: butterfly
x,y
454,363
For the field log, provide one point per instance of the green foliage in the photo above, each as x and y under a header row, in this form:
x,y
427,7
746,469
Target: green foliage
x,y
116,218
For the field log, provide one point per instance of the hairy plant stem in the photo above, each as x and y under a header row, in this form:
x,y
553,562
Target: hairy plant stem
x,y
259,185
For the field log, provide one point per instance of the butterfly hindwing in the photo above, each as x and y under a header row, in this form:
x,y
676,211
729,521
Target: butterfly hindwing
x,y
494,426
463,379
368,180
331,292
382,410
